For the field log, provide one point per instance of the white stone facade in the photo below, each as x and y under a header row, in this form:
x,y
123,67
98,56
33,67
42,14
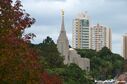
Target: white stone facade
x,y
83,63
62,42
70,55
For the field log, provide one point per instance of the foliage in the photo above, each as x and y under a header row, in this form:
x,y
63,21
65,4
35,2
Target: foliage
x,y
104,64
53,63
74,75
88,53
49,54
19,64
51,79
125,66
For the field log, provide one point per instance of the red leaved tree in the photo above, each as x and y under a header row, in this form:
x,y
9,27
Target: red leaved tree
x,y
19,64
50,79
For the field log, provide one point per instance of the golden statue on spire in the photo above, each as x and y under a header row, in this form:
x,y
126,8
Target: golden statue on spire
x,y
62,12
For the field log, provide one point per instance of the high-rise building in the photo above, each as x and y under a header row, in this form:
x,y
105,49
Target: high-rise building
x,y
100,36
125,46
80,35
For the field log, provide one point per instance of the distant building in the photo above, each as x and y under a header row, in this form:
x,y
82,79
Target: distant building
x,y
70,55
100,36
122,78
125,46
80,35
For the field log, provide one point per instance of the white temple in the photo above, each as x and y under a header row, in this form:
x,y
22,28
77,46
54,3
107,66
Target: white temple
x,y
70,55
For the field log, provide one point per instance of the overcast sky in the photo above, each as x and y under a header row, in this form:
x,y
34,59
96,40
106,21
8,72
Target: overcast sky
x,y
110,13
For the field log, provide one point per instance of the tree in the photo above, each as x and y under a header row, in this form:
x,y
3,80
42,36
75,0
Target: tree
x,y
104,52
87,53
19,64
74,75
49,54
51,79
104,64
125,66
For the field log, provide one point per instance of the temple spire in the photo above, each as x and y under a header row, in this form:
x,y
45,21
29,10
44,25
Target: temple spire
x,y
62,42
62,25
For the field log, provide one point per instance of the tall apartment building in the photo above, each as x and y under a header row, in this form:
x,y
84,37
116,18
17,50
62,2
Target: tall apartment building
x,y
80,35
100,36
125,46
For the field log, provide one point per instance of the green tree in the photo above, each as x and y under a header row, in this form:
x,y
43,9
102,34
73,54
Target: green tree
x,y
87,53
104,64
49,54
74,75
104,52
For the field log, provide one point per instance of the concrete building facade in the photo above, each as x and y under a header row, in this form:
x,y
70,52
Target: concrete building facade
x,y
125,46
100,36
80,35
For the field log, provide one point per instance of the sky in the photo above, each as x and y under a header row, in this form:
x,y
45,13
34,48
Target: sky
x,y
110,13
